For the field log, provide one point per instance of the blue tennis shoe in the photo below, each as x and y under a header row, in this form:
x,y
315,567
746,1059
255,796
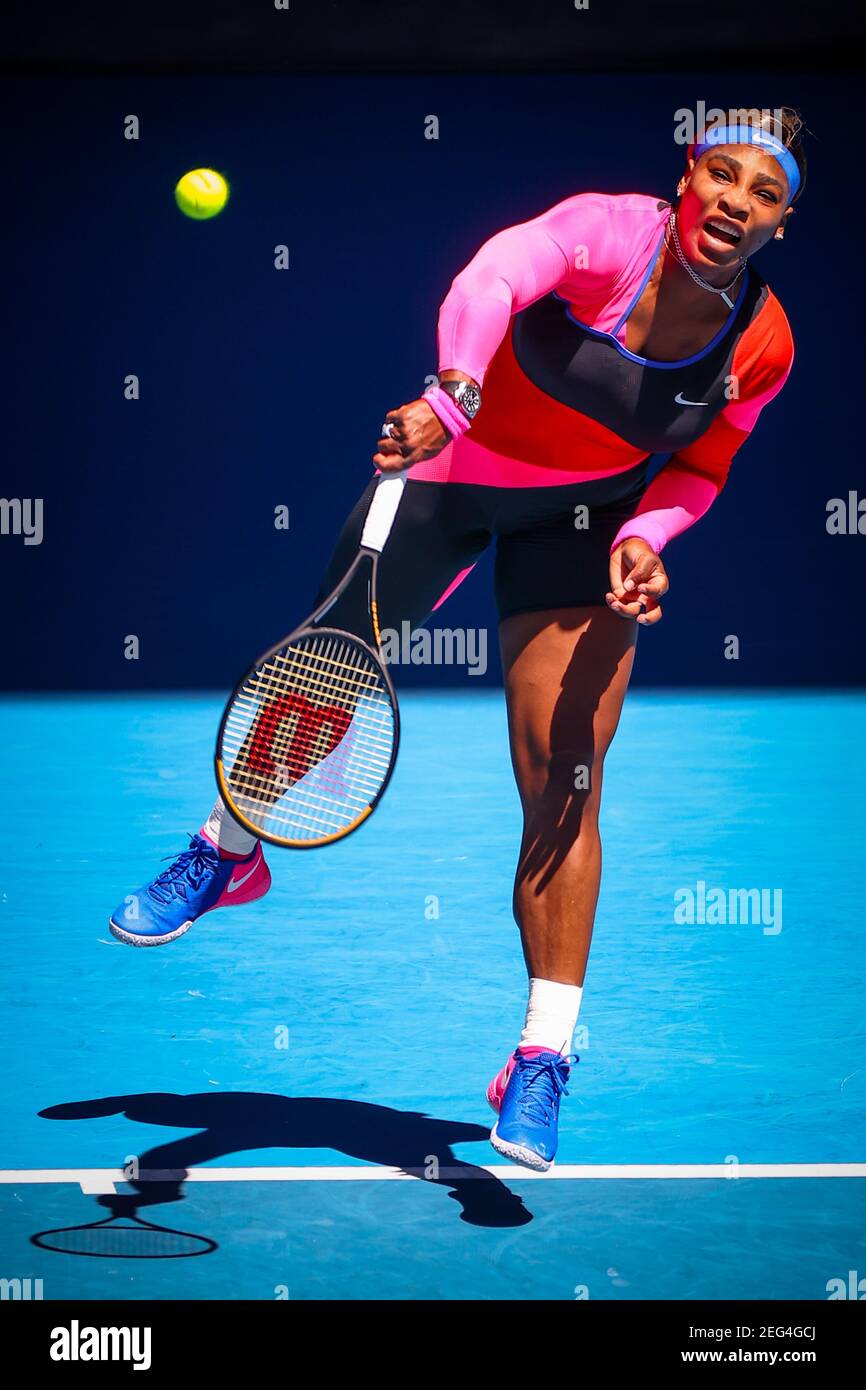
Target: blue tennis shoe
x,y
196,882
527,1130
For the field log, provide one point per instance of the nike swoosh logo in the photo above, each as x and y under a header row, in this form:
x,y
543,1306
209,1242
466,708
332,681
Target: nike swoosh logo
x,y
237,883
680,399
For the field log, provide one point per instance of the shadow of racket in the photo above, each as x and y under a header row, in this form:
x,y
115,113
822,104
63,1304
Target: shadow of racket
x,y
124,1237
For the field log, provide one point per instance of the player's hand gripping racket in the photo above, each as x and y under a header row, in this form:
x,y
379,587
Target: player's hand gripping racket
x,y
308,740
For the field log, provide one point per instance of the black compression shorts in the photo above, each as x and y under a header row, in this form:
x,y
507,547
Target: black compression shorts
x,y
549,552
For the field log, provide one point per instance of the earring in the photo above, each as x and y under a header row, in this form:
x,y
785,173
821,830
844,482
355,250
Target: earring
x,y
779,234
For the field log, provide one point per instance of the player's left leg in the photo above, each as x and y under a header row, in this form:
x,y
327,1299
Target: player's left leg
x,y
199,879
439,533
566,675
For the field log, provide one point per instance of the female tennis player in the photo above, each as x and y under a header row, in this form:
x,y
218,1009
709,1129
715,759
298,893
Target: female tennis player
x,y
571,349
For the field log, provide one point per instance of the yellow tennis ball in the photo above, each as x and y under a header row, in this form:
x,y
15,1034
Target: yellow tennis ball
x,y
201,193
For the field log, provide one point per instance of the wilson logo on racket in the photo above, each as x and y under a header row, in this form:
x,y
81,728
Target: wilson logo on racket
x,y
319,729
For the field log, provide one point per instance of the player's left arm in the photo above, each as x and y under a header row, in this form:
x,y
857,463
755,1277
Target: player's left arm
x,y
688,485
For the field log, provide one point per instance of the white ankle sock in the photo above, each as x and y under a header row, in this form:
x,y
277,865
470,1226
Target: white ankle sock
x,y
551,1015
223,829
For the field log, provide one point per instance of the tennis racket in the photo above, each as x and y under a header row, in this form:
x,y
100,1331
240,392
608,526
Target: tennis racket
x,y
308,739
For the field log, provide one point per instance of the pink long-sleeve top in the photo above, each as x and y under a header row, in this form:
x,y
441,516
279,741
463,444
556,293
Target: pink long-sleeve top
x,y
538,317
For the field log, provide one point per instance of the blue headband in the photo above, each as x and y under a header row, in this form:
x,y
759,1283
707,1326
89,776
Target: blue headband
x,y
750,135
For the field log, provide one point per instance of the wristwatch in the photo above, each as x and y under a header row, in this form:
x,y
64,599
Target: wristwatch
x,y
467,396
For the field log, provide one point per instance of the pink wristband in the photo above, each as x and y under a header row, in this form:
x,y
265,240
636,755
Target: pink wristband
x,y
642,528
444,408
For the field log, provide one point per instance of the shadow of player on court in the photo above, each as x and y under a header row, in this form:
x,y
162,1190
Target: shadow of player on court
x,y
236,1122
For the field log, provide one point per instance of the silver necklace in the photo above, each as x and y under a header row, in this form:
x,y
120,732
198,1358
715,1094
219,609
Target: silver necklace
x,y
704,284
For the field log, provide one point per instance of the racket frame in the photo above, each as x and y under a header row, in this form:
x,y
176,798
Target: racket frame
x,y
366,556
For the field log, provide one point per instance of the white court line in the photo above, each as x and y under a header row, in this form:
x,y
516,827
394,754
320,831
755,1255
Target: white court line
x,y
100,1181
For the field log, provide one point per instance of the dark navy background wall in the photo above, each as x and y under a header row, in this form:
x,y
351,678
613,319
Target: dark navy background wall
x,y
261,387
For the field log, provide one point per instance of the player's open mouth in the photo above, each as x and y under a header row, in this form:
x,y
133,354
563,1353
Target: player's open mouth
x,y
728,233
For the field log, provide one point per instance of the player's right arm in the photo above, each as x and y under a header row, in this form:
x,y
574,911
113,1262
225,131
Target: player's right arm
x,y
576,238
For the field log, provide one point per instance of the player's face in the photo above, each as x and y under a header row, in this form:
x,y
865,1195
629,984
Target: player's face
x,y
735,198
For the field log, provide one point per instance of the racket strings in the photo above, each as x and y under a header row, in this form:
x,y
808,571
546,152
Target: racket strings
x,y
309,739
302,717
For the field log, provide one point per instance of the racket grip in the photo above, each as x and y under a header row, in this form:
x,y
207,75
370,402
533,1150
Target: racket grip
x,y
383,509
